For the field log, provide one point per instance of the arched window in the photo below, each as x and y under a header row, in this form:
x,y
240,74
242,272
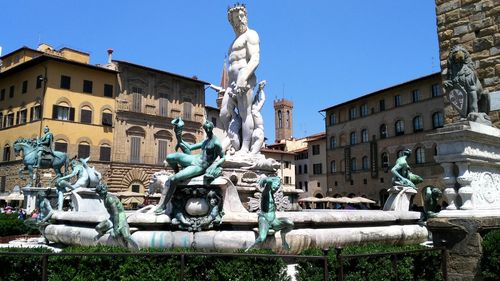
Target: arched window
x,y
354,165
83,150
105,152
418,124
364,163
63,111
383,131
399,127
288,119
136,135
385,160
333,142
162,138
437,120
280,119
107,117
6,153
61,145
86,115
364,135
333,167
420,155
353,138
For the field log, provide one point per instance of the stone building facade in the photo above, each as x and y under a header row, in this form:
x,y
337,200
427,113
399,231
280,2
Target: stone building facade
x,y
62,90
366,135
148,100
474,24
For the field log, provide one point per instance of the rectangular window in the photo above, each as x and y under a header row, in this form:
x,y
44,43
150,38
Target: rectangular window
x,y
9,120
381,105
364,110
187,115
317,169
135,149
162,150
2,94
163,107
61,146
136,188
333,119
24,88
65,82
12,89
436,90
39,80
35,113
107,119
108,90
353,113
287,180
86,116
3,181
83,150
87,86
22,116
105,153
415,95
315,149
397,100
136,99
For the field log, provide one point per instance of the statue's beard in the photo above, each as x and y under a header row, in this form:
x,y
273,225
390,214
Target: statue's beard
x,y
240,28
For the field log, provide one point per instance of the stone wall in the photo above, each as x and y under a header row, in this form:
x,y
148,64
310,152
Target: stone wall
x,y
473,24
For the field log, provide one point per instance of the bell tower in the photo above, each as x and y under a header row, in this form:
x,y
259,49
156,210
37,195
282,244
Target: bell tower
x,y
283,119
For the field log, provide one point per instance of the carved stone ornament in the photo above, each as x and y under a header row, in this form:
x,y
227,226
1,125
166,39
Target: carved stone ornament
x,y
196,209
458,99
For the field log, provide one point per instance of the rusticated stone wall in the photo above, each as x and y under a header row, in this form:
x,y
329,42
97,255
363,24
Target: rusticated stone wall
x,y
473,24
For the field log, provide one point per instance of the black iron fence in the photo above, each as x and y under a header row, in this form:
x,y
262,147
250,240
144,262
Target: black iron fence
x,y
334,265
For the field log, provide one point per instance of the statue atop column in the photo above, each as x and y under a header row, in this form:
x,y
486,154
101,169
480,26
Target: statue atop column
x,y
244,58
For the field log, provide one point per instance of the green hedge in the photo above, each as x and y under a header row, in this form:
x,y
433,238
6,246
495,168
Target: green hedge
x,y
422,266
11,225
141,267
490,262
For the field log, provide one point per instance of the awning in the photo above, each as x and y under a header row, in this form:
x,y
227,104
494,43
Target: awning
x,y
14,197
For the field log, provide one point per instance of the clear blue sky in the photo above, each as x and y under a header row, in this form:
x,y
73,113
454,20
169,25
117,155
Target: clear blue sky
x,y
316,53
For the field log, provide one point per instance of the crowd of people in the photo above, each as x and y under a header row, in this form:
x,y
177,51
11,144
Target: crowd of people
x,y
21,212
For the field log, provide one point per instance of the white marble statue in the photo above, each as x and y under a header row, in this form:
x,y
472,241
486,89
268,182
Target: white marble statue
x,y
258,121
243,61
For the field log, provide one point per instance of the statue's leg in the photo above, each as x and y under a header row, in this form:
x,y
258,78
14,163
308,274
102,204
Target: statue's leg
x,y
473,102
173,160
284,225
263,230
227,106
244,109
38,159
60,199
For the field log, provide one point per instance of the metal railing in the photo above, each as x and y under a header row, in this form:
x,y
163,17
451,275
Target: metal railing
x,y
324,259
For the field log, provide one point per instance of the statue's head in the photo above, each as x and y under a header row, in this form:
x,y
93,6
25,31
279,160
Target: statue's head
x,y
237,16
101,189
74,162
407,152
459,56
208,126
436,193
46,129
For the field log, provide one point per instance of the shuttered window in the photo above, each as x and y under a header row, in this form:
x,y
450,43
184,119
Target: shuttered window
x,y
187,109
163,107
136,99
105,153
61,146
83,150
135,149
162,150
86,116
